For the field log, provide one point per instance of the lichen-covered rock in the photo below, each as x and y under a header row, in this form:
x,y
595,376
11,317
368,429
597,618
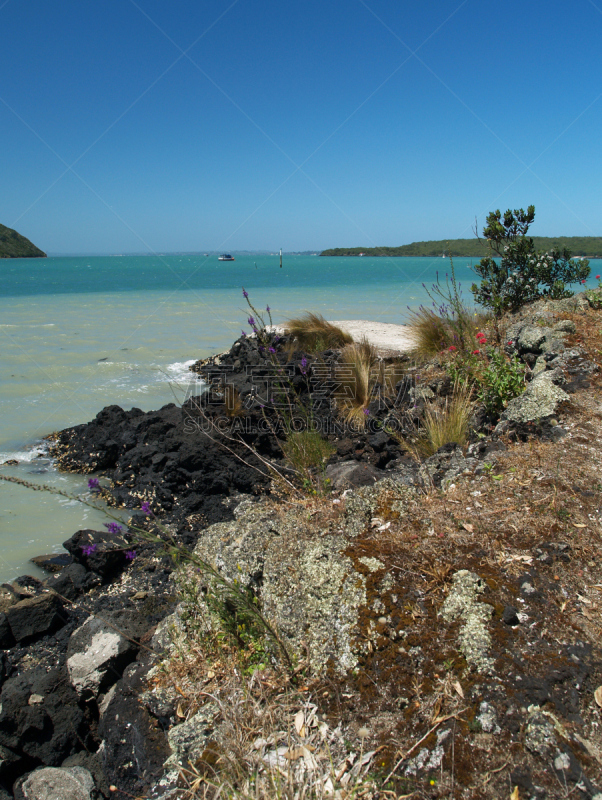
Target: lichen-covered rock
x,y
531,338
462,602
540,736
50,783
309,589
188,740
540,399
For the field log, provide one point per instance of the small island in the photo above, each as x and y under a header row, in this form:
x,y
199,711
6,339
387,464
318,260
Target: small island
x,y
13,245
580,246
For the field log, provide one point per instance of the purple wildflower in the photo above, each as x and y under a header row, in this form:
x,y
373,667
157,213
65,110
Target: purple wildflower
x,y
367,412
113,527
130,555
251,322
271,349
303,365
88,549
146,509
267,308
244,335
244,294
93,485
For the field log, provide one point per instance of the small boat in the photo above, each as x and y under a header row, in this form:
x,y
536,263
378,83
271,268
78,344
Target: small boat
x,y
225,257
280,258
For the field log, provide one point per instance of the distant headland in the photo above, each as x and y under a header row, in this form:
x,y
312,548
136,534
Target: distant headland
x,y
13,245
585,246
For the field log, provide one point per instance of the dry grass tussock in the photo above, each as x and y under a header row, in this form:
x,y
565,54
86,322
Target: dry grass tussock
x,y
433,332
356,375
441,424
313,334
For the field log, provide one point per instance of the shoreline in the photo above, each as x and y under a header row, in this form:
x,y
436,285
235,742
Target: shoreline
x,y
325,563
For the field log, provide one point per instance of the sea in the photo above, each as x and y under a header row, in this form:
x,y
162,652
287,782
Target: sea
x,y
79,333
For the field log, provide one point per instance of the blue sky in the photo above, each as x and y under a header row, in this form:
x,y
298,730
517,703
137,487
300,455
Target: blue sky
x,y
142,125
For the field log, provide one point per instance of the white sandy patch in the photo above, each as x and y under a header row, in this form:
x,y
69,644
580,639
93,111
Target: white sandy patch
x,y
387,337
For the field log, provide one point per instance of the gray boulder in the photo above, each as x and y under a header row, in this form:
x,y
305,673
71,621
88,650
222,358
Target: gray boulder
x,y
531,337
51,783
310,589
540,399
350,474
96,656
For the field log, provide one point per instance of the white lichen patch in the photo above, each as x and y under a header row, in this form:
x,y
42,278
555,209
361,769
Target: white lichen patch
x,y
462,602
373,564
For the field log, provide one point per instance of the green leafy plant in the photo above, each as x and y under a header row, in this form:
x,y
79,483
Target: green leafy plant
x,y
517,274
499,377
307,451
594,296
502,380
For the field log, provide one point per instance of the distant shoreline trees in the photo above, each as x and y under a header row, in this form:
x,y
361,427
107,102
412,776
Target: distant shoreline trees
x,y
581,246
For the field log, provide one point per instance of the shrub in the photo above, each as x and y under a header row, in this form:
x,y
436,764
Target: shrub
x,y
499,378
356,376
313,334
594,296
521,274
501,381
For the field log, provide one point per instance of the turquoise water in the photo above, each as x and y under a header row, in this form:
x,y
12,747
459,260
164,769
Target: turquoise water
x,y
79,333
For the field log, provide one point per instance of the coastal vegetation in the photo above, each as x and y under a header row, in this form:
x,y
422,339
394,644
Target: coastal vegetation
x,y
313,334
581,246
342,574
13,245
522,274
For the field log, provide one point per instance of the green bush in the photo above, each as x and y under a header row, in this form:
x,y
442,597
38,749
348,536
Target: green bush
x,y
521,274
499,378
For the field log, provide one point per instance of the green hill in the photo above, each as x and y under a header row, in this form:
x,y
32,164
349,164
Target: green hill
x,y
588,246
13,245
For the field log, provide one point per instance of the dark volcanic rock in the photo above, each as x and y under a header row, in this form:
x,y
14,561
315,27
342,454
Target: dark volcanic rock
x,y
73,581
108,557
133,745
52,563
36,616
40,717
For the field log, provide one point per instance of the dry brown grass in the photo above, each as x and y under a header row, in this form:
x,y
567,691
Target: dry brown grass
x,y
411,675
356,375
442,424
313,334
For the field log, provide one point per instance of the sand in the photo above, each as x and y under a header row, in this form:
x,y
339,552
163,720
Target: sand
x,y
388,338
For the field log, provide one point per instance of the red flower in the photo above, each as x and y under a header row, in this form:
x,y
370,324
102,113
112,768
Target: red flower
x,y
476,352
597,277
582,281
480,334
452,347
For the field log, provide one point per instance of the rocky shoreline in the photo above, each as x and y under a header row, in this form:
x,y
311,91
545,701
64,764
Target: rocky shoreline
x,y
335,578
